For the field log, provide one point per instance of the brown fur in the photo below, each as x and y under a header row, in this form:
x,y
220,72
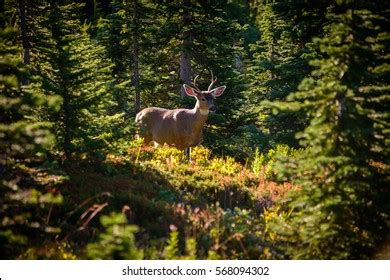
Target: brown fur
x,y
181,128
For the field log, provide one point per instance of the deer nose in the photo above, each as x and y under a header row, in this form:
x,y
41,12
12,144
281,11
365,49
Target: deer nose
x,y
212,109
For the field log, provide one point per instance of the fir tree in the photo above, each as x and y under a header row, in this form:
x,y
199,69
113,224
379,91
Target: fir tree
x,y
280,61
24,198
79,75
341,211
273,72
127,34
110,34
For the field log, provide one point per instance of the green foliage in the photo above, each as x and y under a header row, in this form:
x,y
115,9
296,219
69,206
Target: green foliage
x,y
169,155
187,209
298,74
263,164
74,68
117,242
244,142
280,61
200,155
50,251
119,32
205,179
171,251
224,234
172,248
340,212
27,189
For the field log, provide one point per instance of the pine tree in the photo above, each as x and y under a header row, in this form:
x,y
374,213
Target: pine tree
x,y
24,198
278,61
273,72
77,72
110,34
128,33
341,211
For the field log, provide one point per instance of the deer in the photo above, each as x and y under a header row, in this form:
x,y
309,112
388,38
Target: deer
x,y
181,128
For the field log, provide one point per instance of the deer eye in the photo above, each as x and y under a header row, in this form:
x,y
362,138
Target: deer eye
x,y
203,99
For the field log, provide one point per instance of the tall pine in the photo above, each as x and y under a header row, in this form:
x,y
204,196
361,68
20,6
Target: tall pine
x,y
341,211
279,61
78,72
26,188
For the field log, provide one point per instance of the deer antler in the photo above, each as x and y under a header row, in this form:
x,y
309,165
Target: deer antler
x,y
195,83
213,81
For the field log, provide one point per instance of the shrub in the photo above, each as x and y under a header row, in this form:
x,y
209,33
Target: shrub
x,y
263,163
117,241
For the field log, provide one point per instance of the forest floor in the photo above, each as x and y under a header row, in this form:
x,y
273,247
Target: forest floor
x,y
159,190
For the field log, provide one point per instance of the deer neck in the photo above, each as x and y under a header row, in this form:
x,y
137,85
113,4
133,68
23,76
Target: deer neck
x,y
200,115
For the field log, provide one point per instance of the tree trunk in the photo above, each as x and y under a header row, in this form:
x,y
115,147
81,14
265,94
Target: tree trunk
x,y
67,144
185,57
137,99
24,36
271,57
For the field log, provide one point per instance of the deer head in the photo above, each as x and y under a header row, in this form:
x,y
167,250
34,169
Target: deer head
x,y
205,98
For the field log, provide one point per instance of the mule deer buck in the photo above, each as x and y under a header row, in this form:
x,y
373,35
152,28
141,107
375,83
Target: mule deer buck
x,y
181,128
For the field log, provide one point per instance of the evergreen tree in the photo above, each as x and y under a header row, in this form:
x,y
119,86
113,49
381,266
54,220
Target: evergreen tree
x,y
280,61
77,72
66,64
112,34
24,198
342,209
272,59
125,33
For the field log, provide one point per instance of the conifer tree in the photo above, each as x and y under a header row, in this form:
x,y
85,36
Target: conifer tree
x,y
110,34
23,142
272,66
126,34
78,73
341,211
280,61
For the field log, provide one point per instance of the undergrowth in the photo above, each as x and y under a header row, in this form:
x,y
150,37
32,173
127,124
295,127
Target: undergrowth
x,y
151,203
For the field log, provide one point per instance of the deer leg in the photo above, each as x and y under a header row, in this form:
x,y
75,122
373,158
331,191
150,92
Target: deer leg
x,y
187,152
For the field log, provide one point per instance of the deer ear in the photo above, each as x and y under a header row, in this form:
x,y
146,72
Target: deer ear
x,y
189,90
217,92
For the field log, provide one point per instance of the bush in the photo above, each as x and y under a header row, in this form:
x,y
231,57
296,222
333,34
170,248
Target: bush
x,y
117,241
264,163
